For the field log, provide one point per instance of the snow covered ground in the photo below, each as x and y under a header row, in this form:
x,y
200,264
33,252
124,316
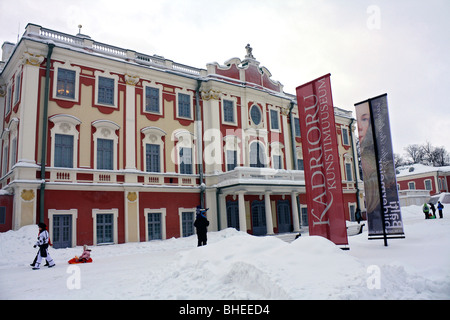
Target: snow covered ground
x,y
235,265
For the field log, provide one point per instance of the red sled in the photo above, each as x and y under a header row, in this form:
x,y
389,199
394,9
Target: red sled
x,y
76,261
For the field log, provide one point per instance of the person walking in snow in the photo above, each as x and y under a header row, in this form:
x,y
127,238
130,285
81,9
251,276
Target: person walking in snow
x,y
201,224
425,210
440,207
42,243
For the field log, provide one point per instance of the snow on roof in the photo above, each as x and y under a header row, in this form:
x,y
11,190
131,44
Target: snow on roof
x,y
418,168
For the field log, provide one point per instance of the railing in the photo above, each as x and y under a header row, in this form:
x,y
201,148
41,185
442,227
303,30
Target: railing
x,y
69,175
84,42
262,175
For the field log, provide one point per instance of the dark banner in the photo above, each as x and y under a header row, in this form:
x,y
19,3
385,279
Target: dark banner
x,y
321,161
377,160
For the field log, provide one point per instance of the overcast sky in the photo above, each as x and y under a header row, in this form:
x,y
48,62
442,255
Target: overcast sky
x,y
372,47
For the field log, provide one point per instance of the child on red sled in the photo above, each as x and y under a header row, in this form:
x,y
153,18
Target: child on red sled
x,y
85,256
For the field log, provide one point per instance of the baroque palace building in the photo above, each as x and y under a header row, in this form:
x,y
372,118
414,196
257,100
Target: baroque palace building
x,y
108,145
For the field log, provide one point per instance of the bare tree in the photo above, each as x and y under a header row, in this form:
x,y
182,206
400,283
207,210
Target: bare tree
x,y
415,153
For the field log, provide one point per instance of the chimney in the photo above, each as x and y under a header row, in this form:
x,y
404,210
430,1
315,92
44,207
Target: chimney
x,y
7,50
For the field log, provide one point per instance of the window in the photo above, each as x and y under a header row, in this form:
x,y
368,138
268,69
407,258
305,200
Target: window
x,y
13,159
105,228
345,140
428,185
105,91
274,123
152,100
187,224
411,185
17,88
186,160
257,155
63,151
348,172
152,158
297,127
300,165
231,159
277,162
8,100
184,105
2,215
154,225
66,83
105,154
304,216
255,115
228,111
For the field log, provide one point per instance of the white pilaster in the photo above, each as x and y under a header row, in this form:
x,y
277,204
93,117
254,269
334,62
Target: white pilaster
x,y
295,218
242,216
269,222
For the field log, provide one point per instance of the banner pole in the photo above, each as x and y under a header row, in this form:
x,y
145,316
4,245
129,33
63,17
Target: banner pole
x,y
377,162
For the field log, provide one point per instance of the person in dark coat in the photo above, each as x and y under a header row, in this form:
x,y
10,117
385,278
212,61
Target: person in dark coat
x,y
440,207
433,208
201,224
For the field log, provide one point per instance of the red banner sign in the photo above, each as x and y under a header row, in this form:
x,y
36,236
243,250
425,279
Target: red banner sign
x,y
321,161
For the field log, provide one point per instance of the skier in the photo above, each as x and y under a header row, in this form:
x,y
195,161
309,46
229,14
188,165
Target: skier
x,y
43,241
425,210
201,223
440,206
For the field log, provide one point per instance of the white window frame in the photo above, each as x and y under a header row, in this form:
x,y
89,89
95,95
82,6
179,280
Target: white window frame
x,y
277,110
115,77
115,213
70,212
180,215
65,124
277,150
191,95
425,184
232,144
68,66
234,101
17,86
413,184
153,135
155,86
345,129
163,221
184,139
106,129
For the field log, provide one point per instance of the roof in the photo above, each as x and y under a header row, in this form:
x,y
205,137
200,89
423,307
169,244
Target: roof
x,y
418,168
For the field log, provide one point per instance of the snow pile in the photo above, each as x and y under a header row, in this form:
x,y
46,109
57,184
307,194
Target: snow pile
x,y
235,265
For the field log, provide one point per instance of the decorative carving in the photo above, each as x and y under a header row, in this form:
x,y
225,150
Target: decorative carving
x,y
211,95
131,80
285,111
105,132
32,59
132,196
27,195
65,127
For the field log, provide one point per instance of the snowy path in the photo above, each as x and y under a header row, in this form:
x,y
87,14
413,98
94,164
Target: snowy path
x,y
235,265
